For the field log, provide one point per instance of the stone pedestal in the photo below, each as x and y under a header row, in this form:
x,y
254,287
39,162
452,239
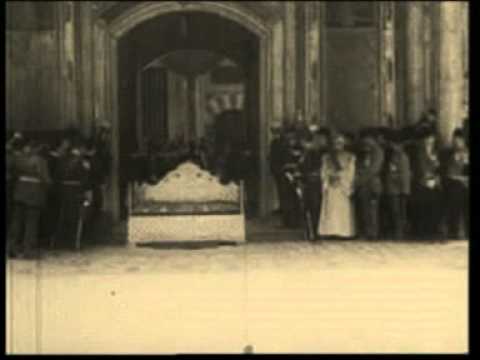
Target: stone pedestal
x,y
450,69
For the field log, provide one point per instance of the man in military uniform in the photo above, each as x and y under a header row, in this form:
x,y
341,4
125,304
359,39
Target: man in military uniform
x,y
369,185
13,150
426,202
311,171
397,186
428,122
455,190
30,197
293,155
277,154
95,180
55,158
74,177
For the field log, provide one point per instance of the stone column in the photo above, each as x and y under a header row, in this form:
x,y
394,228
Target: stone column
x,y
450,69
290,60
323,82
301,56
67,51
278,71
465,55
85,59
312,61
387,63
428,54
415,84
99,72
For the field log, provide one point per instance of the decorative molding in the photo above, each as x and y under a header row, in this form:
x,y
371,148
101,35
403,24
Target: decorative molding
x,y
148,10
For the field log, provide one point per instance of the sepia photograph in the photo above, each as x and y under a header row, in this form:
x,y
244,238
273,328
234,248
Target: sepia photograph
x,y
231,177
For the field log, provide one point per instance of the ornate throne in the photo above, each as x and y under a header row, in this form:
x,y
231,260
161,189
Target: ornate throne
x,y
188,205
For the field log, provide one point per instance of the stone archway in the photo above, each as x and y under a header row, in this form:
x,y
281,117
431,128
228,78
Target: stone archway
x,y
107,36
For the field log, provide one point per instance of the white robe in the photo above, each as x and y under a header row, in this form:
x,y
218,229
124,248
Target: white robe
x,y
337,212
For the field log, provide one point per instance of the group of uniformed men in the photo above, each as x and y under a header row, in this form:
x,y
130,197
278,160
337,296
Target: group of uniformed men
x,y
52,192
404,185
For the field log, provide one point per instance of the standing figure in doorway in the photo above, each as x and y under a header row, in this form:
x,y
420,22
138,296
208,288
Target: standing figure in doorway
x,y
338,172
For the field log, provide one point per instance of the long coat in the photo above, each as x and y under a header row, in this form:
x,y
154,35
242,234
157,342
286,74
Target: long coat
x,y
27,192
368,176
398,173
337,217
428,167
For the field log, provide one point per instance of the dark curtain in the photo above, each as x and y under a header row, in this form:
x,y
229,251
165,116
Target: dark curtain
x,y
155,105
230,128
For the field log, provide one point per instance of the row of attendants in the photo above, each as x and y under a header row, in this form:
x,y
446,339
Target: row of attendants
x,y
377,183
54,191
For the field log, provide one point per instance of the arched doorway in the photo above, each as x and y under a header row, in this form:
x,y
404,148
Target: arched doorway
x,y
111,33
191,45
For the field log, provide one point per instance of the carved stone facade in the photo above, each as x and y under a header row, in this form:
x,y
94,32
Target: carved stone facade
x,y
343,64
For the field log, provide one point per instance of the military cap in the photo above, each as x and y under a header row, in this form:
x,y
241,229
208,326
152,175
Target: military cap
x,y
458,132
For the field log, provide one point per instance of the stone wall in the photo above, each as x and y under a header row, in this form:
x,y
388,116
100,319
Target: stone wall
x,y
32,68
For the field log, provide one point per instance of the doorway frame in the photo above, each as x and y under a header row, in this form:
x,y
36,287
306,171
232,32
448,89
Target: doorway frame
x,y
106,75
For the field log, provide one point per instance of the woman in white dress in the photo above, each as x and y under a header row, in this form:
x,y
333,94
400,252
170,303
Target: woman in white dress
x,y
338,170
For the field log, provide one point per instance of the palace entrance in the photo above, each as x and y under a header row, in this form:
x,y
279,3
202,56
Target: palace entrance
x,y
209,63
